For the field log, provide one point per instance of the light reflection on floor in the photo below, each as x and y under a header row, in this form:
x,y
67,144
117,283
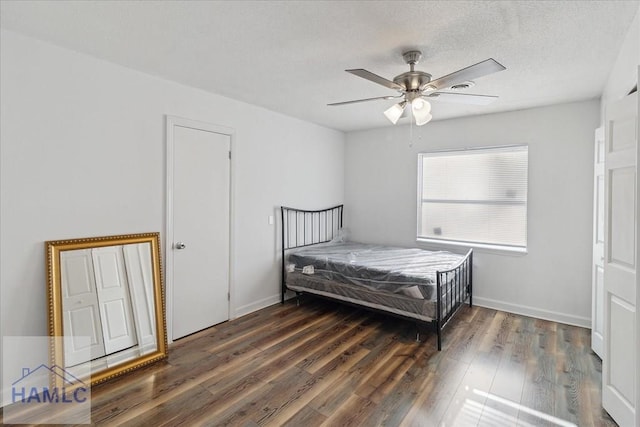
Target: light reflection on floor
x,y
475,412
526,409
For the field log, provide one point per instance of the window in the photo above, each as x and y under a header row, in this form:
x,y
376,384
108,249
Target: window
x,y
475,197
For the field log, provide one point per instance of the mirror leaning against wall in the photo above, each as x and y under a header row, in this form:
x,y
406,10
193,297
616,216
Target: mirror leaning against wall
x,y
106,299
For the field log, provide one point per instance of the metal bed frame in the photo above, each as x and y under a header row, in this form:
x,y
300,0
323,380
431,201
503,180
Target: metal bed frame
x,y
302,228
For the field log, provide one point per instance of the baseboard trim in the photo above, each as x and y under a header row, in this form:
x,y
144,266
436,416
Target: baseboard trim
x,y
538,313
257,305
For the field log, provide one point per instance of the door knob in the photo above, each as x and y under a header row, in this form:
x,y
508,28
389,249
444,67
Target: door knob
x,y
180,245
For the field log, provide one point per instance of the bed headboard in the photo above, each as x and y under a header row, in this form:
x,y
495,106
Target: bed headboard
x,y
305,228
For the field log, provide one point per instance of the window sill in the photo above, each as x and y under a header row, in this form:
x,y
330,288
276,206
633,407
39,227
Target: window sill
x,y
481,247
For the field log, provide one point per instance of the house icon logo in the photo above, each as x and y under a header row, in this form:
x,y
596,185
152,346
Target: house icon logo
x,y
72,390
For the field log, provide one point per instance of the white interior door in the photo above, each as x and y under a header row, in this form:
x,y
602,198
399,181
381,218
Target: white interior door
x,y
597,272
200,212
80,308
114,299
620,364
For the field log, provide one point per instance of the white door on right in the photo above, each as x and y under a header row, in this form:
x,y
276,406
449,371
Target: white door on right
x,y
620,362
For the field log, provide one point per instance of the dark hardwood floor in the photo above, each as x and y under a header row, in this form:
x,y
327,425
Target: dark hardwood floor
x,y
327,364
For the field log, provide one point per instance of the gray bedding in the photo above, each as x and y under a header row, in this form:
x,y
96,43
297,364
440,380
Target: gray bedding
x,y
408,272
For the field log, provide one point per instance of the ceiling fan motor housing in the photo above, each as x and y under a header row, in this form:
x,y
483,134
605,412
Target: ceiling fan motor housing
x,y
412,80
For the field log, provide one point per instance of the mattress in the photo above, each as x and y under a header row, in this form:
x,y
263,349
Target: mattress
x,y
409,272
399,304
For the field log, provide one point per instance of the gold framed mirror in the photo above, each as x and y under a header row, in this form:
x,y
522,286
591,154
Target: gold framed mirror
x,y
106,299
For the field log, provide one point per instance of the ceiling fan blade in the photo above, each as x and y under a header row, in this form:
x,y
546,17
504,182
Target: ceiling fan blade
x,y
461,98
375,78
488,66
363,100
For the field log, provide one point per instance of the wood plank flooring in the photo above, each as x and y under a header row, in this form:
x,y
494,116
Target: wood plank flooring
x,y
325,364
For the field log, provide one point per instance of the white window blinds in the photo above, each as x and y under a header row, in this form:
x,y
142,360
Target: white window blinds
x,y
474,196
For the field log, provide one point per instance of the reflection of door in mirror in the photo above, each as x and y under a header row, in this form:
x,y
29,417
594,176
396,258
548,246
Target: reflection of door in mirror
x,y
101,288
113,299
80,301
140,278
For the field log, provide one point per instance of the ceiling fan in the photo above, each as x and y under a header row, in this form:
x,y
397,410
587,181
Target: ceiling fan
x,y
416,87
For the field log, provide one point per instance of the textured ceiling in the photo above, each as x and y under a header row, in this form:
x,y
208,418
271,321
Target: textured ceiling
x,y
290,56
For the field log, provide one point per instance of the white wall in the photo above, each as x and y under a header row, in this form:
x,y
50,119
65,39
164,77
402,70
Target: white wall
x,y
83,153
553,280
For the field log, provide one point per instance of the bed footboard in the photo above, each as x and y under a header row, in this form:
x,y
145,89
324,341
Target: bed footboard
x,y
453,287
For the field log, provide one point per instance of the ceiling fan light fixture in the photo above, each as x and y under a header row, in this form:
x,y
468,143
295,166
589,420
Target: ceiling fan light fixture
x,y
421,110
395,111
423,120
420,106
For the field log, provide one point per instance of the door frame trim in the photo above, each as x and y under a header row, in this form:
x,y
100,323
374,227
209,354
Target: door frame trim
x,y
171,123
597,343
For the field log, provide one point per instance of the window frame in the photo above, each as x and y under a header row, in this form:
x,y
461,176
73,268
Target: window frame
x,y
460,244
